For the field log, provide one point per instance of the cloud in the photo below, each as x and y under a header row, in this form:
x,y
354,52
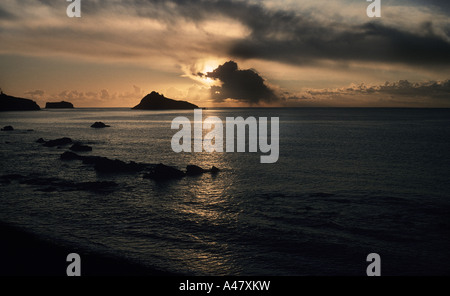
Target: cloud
x,y
241,85
35,94
401,93
180,30
89,98
292,38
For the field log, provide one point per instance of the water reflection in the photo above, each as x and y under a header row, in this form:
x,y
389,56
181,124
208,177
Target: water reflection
x,y
206,204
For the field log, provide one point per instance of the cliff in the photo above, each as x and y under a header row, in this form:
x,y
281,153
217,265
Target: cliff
x,y
9,103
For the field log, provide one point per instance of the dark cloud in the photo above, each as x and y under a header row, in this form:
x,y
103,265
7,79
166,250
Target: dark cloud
x,y
399,89
404,88
439,4
295,37
401,93
299,37
242,85
5,14
308,42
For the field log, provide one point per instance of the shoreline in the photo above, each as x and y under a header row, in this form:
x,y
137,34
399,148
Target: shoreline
x,y
23,253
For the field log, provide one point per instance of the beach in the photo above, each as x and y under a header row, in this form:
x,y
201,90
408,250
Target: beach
x,y
25,254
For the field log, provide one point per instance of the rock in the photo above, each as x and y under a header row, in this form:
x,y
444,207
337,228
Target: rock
x,y
164,172
106,165
9,103
7,128
58,142
193,170
99,124
70,156
59,105
156,101
214,170
91,159
40,140
80,148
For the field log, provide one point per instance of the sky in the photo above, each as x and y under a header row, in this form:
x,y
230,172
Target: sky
x,y
228,53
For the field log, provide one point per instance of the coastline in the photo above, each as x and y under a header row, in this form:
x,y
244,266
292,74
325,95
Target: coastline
x,y
23,253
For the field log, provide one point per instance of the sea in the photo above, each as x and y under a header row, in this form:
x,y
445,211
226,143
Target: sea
x,y
348,182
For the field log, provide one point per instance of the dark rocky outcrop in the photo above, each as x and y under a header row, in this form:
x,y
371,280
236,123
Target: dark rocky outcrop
x,y
7,128
194,170
156,101
99,124
214,170
58,142
164,172
10,103
155,172
106,165
68,155
80,147
40,140
59,105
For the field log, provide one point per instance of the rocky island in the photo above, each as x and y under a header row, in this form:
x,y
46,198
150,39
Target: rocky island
x,y
10,103
156,101
59,105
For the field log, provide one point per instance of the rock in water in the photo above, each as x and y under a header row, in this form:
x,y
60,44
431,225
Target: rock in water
x,y
193,170
164,172
80,148
106,165
7,128
59,105
70,156
58,142
156,101
99,124
214,170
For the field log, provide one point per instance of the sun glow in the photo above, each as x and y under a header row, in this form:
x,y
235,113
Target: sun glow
x,y
199,71
209,66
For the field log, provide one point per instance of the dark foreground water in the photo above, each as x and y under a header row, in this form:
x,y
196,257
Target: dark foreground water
x,y
348,182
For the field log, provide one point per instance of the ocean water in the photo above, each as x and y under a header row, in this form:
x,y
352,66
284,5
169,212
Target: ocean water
x,y
348,182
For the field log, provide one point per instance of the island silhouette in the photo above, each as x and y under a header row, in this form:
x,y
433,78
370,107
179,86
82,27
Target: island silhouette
x,y
10,103
156,101
59,105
